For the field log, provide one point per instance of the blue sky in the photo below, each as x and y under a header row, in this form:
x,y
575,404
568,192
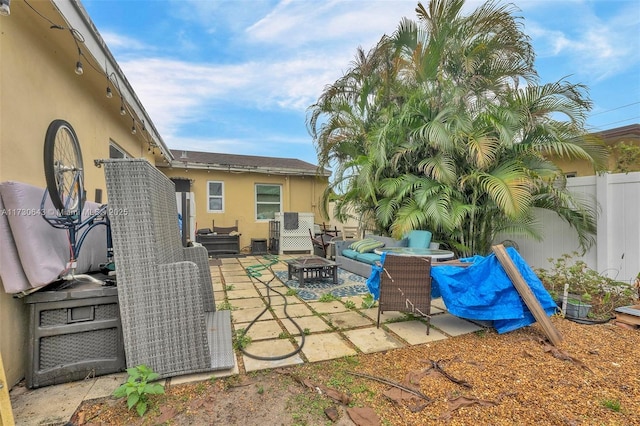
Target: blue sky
x,y
238,76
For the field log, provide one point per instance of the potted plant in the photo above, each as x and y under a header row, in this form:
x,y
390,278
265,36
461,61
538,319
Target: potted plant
x,y
590,294
578,306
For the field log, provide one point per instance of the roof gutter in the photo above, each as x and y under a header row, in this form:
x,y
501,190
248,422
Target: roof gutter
x,y
244,169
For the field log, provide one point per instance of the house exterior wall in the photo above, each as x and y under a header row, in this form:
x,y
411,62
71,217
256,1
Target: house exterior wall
x,y
299,194
630,135
37,86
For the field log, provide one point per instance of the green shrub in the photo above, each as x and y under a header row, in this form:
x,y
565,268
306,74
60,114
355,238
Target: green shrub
x,y
137,388
585,285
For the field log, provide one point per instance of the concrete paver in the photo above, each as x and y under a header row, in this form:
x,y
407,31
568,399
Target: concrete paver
x,y
242,294
328,307
277,300
56,404
105,385
313,324
294,310
192,378
384,317
270,348
50,404
415,332
321,347
373,339
248,314
438,303
239,285
262,330
453,325
253,302
236,279
350,319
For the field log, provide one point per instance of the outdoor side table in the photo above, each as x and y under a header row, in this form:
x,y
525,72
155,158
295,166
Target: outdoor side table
x,y
312,267
74,333
436,254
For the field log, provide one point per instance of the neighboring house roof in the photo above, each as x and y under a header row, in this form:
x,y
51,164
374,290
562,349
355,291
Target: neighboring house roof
x,y
252,163
631,131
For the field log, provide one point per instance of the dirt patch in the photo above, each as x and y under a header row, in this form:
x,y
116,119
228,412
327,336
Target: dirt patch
x,y
593,377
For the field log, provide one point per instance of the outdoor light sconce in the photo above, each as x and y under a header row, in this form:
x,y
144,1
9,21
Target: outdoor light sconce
x,y
5,9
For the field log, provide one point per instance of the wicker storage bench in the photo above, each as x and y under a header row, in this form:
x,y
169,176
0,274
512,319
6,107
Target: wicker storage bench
x,y
73,333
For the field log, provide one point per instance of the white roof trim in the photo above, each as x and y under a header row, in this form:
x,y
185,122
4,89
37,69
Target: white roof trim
x,y
77,17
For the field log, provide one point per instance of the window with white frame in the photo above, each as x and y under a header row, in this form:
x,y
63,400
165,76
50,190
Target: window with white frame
x,y
116,152
268,201
215,197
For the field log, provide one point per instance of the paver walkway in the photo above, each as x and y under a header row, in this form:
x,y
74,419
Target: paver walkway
x,y
331,330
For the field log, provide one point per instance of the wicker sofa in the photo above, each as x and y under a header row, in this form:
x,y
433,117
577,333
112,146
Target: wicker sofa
x,y
361,264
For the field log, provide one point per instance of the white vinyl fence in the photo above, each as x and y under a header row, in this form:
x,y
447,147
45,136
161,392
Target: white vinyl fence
x,y
617,251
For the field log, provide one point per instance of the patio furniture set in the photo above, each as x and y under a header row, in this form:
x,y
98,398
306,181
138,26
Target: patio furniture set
x,y
162,313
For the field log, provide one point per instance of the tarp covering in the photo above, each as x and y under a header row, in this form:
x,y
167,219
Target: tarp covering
x,y
483,291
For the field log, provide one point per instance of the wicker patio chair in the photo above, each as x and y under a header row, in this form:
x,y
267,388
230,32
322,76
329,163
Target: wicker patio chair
x,y
167,308
405,286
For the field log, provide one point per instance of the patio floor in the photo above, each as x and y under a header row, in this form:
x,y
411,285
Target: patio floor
x,y
331,330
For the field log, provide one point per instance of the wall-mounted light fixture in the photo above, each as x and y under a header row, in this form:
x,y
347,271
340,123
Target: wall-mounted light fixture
x,y
5,9
122,110
133,127
109,92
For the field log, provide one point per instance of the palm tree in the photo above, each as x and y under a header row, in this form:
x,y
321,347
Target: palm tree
x,y
341,123
455,131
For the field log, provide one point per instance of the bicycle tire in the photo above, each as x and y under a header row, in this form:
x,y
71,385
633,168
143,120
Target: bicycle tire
x,y
63,169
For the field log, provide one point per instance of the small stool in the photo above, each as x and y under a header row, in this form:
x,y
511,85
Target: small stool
x,y
258,246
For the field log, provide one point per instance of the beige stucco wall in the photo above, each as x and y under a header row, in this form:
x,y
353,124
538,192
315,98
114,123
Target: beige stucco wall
x,y
38,85
299,194
584,168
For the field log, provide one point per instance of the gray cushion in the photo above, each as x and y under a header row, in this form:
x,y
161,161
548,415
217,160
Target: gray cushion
x,y
43,251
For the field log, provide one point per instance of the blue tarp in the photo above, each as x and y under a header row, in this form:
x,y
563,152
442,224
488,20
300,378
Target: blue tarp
x,y
483,291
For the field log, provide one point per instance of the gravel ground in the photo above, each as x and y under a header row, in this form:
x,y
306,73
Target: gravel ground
x,y
518,378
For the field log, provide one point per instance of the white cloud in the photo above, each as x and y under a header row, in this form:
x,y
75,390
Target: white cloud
x,y
596,47
177,93
300,148
279,56
118,41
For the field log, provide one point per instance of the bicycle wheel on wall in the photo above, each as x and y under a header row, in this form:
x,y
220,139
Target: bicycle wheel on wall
x,y
63,168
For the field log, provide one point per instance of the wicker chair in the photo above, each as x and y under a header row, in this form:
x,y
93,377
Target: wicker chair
x,y
167,308
405,286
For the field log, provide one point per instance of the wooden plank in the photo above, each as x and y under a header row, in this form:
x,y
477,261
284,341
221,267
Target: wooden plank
x,y
628,314
6,414
527,295
452,263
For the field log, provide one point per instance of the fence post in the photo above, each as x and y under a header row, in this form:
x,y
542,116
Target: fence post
x,y
603,206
